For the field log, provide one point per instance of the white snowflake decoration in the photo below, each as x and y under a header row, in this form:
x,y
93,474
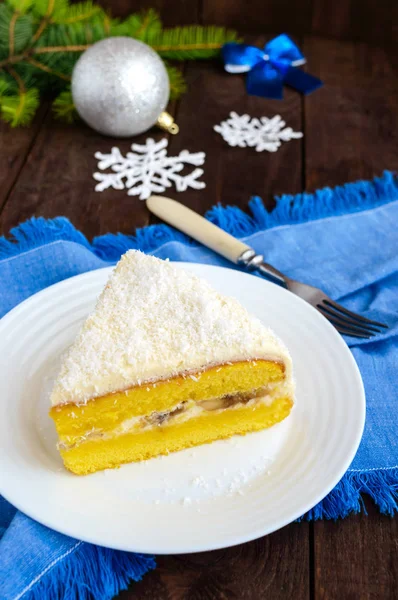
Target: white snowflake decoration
x,y
148,169
261,134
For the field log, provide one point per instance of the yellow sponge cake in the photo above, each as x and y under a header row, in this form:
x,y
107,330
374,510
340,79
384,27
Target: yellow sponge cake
x,y
164,363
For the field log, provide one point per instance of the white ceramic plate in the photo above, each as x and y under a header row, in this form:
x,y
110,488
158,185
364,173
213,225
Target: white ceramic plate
x,y
209,497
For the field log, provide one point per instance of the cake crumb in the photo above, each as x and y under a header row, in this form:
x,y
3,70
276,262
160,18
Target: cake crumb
x,y
200,481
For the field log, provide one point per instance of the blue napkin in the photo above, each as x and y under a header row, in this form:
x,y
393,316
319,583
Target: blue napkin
x,y
342,240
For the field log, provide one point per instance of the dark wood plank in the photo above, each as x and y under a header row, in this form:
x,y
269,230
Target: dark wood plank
x,y
371,21
57,180
292,16
14,149
274,567
357,558
233,175
351,124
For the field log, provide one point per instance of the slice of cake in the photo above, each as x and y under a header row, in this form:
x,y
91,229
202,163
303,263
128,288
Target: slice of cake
x,y
164,363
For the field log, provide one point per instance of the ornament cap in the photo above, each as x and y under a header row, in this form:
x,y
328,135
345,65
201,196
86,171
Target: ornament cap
x,y
166,121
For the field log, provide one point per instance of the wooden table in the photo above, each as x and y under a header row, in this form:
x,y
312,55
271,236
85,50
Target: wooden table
x,y
350,132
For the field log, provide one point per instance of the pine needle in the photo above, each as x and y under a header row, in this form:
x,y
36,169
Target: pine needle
x,y
19,109
64,109
191,42
4,87
178,84
15,30
142,26
20,5
76,13
46,8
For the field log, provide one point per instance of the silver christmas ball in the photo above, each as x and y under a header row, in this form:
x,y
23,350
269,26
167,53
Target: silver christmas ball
x,y
120,86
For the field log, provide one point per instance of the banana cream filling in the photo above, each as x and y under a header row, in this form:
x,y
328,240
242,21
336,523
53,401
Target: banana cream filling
x,y
184,411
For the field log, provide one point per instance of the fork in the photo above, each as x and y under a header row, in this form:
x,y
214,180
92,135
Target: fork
x,y
188,221
345,321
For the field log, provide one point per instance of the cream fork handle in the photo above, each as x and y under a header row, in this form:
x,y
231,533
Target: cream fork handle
x,y
197,227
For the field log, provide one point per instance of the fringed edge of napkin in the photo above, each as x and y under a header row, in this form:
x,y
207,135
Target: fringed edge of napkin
x,y
300,208
346,498
289,210
105,573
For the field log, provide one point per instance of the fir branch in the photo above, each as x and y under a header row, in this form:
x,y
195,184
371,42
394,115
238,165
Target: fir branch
x,y
20,5
43,24
17,78
45,20
147,20
178,84
4,87
107,25
58,7
19,108
11,32
143,25
191,42
84,11
15,31
54,49
63,107
12,60
39,65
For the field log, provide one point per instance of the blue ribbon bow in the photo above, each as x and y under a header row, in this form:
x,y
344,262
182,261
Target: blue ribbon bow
x,y
269,69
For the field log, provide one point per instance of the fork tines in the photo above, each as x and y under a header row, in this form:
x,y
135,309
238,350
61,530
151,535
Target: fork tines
x,y
349,323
